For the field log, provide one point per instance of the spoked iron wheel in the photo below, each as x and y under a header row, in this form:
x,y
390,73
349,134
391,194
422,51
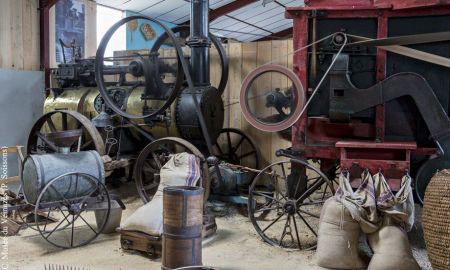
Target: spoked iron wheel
x,y
234,147
291,202
153,157
81,211
64,123
27,214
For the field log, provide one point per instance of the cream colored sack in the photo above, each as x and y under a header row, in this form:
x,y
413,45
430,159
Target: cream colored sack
x,y
391,248
337,244
181,170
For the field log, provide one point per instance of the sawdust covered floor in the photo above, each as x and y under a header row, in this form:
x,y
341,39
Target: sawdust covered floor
x,y
235,246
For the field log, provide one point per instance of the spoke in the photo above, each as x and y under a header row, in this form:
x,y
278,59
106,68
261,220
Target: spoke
x,y
247,154
283,171
76,187
266,209
157,161
54,229
219,148
238,144
324,191
308,213
51,124
46,141
283,234
273,222
307,224
88,224
62,196
86,144
229,143
296,232
151,186
64,121
264,195
46,220
73,228
277,188
65,217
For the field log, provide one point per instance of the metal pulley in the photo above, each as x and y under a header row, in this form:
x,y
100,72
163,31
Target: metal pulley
x,y
267,109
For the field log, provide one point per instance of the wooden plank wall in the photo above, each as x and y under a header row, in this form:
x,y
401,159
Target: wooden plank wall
x,y
19,34
244,57
90,34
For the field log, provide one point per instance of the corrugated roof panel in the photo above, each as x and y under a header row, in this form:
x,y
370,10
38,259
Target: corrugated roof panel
x,y
257,18
176,13
138,5
182,19
282,27
111,3
269,23
218,3
257,6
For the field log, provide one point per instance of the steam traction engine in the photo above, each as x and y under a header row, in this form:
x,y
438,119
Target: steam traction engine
x,y
370,90
137,109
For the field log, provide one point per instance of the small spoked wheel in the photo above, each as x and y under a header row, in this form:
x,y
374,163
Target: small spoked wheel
x,y
285,201
77,208
235,147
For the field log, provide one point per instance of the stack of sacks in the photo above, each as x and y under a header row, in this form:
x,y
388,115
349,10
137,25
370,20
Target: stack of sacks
x,y
377,212
181,170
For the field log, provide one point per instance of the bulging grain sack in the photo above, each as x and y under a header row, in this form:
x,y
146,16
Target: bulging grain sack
x,y
391,248
360,203
337,244
181,170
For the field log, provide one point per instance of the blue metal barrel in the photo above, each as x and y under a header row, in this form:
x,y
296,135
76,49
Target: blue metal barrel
x,y
39,170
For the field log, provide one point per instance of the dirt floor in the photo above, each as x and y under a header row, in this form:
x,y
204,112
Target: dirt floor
x,y
235,246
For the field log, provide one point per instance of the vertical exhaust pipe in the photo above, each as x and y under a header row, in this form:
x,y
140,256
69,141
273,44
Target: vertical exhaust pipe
x,y
200,42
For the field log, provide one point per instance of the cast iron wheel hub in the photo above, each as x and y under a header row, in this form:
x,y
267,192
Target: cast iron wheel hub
x,y
290,207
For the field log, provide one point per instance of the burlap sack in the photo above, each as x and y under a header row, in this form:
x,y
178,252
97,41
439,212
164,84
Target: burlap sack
x,y
398,206
360,203
337,244
391,248
181,170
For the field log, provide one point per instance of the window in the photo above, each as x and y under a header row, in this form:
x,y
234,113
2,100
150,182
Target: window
x,y
106,17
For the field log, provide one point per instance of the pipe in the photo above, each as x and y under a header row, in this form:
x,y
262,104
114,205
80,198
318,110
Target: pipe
x,y
200,42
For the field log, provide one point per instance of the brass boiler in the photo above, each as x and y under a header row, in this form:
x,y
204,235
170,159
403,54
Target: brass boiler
x,y
82,100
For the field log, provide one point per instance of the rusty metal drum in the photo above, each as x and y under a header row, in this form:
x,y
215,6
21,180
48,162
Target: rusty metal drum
x,y
182,227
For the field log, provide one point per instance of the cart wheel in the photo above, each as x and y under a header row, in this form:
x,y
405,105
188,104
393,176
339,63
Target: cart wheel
x,y
154,156
235,147
286,214
76,223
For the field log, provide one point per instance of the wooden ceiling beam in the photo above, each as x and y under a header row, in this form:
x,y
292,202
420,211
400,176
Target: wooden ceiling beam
x,y
230,7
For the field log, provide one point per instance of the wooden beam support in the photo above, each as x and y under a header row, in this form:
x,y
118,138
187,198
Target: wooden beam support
x,y
235,5
44,11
